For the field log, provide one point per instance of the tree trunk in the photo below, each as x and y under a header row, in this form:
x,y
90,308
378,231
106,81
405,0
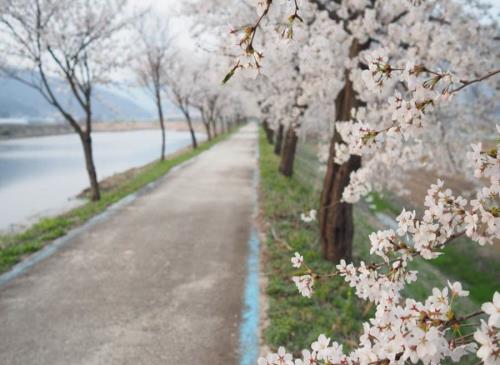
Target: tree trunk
x,y
193,136
288,152
163,140
214,128
268,130
279,140
194,142
162,125
86,139
207,129
335,218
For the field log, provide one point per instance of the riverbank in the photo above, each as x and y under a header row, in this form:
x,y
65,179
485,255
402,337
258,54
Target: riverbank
x,y
13,247
16,131
110,183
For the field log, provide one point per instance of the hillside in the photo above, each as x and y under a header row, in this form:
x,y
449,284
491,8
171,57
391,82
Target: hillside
x,y
110,103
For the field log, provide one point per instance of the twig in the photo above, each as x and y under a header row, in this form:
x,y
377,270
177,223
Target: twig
x,y
468,83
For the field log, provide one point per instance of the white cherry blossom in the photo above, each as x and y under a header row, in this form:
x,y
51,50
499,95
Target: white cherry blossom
x,y
297,260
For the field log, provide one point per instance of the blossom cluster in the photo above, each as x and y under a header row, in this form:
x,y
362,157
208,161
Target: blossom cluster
x,y
399,39
403,329
487,336
409,331
406,117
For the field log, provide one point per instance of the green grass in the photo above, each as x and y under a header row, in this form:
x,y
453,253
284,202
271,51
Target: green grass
x,y
480,272
15,246
378,203
297,321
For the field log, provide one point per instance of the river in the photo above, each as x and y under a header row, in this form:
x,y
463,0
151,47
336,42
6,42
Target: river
x,y
41,176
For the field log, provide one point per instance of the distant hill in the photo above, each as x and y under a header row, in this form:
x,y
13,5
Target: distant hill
x,y
110,104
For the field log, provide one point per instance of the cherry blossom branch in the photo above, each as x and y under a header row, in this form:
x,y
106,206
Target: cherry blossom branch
x,y
250,32
468,83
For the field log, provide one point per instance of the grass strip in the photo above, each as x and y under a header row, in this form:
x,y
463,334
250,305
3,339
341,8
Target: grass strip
x,y
296,321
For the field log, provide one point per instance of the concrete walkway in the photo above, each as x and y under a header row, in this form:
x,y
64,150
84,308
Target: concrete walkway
x,y
158,282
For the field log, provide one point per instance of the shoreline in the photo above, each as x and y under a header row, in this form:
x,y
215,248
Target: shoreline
x,y
10,132
106,184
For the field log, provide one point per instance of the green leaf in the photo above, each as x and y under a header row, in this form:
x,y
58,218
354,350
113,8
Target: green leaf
x,y
228,76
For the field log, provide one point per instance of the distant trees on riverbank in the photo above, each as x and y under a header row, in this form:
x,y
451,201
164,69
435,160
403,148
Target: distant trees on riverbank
x,y
74,39
86,43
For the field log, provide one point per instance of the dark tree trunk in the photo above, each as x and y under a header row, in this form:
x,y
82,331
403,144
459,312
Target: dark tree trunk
x,y
207,129
214,128
193,136
194,142
163,140
162,125
279,140
288,152
269,131
86,140
335,218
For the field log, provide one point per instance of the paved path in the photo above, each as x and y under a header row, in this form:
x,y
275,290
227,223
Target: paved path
x,y
159,282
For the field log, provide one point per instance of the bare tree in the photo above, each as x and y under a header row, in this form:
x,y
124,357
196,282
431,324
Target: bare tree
x,y
68,39
152,62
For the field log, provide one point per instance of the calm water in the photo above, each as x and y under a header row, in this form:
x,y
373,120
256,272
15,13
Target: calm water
x,y
41,176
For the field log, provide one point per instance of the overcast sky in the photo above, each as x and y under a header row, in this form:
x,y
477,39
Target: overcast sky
x,y
165,6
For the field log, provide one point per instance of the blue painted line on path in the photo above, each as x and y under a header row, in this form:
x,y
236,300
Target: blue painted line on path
x,y
249,328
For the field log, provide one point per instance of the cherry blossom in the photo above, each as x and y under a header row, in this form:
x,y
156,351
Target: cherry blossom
x,y
456,289
492,309
309,217
297,260
304,284
487,338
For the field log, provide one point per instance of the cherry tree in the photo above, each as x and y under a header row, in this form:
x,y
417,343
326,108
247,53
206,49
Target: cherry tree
x,y
344,32
388,120
151,61
181,82
217,105
207,97
71,40
286,103
274,97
